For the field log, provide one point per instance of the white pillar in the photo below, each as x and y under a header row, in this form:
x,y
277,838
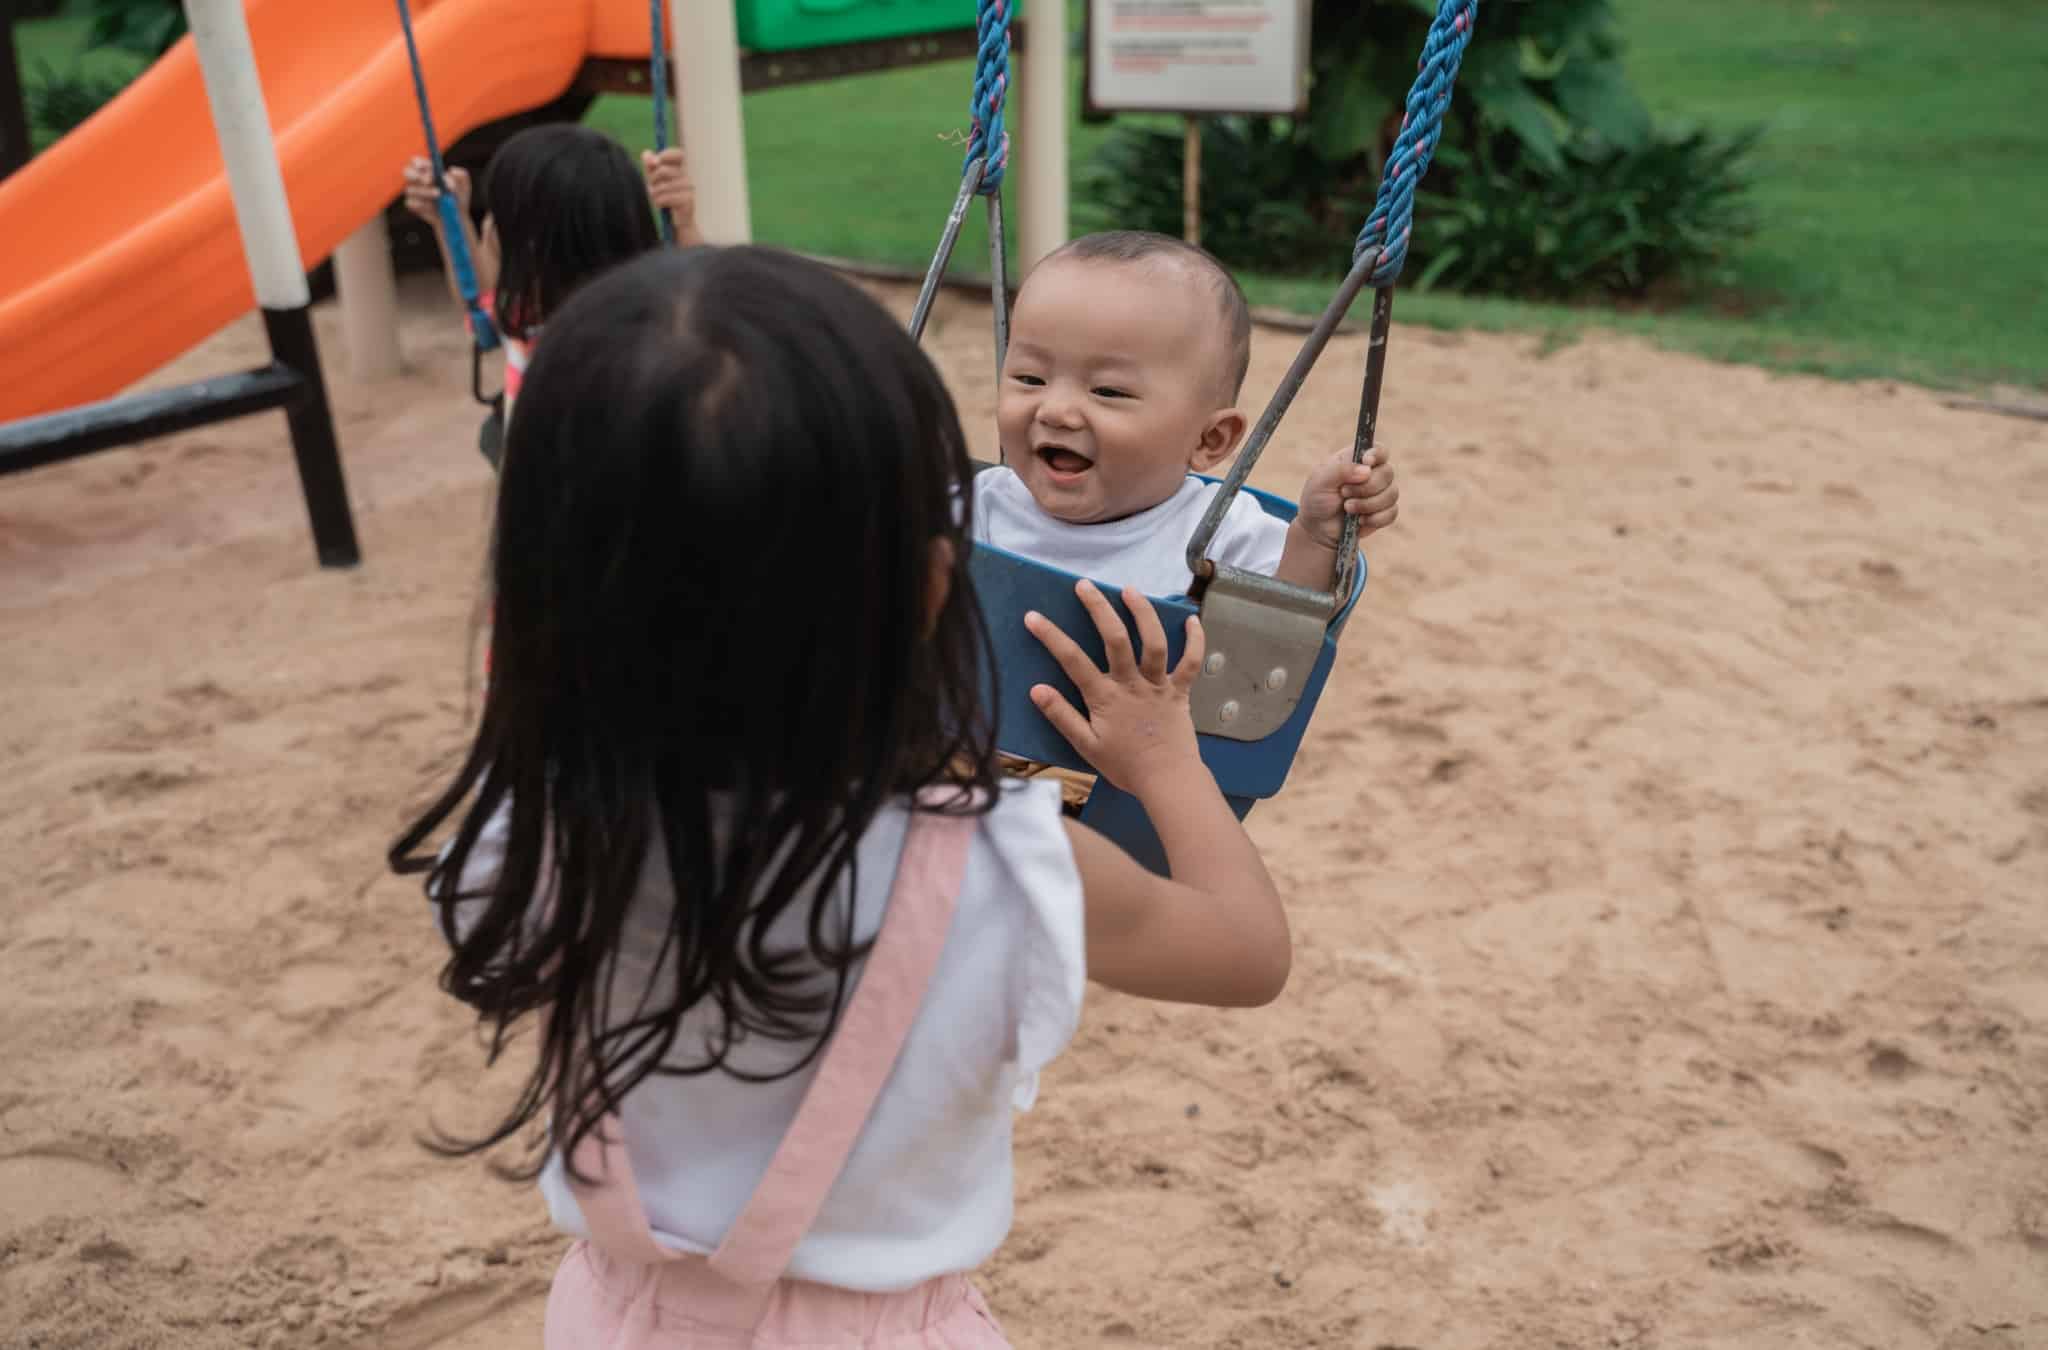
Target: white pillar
x,y
1040,157
241,121
368,288
708,123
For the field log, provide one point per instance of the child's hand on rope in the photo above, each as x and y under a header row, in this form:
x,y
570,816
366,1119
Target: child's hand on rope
x,y
1137,730
670,188
423,197
1339,488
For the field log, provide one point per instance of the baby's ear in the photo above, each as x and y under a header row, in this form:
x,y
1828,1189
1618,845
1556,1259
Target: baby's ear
x,y
1221,435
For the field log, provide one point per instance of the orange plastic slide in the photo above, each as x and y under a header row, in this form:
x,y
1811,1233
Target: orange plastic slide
x,y
118,245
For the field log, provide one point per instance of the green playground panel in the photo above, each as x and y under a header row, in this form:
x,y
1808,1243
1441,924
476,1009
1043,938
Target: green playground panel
x,y
790,25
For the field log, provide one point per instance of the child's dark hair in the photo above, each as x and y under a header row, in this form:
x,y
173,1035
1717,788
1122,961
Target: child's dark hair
x,y
568,203
724,489
1129,246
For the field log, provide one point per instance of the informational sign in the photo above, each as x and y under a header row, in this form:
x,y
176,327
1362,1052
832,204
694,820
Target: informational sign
x,y
1198,56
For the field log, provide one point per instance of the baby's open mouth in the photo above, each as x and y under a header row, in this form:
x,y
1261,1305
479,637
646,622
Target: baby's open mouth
x,y
1062,460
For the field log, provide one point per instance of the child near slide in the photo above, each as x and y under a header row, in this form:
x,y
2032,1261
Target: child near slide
x,y
790,950
562,204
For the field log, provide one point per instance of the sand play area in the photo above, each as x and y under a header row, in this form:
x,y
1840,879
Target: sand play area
x,y
1669,863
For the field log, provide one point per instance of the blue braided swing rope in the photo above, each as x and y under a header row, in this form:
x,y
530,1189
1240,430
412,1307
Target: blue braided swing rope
x,y
987,139
1393,210
658,77
483,332
1387,229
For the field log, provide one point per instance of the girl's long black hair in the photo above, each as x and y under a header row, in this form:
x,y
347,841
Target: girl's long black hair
x,y
568,203
721,497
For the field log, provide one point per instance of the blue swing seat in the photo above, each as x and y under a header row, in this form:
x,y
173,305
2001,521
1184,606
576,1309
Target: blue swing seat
x,y
1249,724
1009,585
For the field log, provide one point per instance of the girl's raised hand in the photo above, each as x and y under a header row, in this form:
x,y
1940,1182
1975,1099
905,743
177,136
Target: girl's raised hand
x,y
1137,731
423,196
670,189
1212,931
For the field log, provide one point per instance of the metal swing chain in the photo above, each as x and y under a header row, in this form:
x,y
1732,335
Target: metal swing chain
x,y
988,155
658,77
1377,258
483,333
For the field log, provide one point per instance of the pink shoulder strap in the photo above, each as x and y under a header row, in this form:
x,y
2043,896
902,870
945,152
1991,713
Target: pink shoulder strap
x,y
757,1248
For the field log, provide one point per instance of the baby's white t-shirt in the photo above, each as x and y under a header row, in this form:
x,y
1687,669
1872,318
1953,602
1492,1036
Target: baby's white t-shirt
x,y
1147,550
928,1188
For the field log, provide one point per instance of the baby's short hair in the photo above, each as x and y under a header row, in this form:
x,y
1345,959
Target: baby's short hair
x,y
1129,246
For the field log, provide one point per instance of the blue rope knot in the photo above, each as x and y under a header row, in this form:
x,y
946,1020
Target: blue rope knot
x,y
987,140
1422,126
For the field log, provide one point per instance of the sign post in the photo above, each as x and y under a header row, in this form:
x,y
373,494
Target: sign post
x,y
1196,58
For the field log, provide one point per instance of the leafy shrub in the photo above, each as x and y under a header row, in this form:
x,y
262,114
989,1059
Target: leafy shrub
x,y
1600,219
1552,177
59,100
1252,212
146,27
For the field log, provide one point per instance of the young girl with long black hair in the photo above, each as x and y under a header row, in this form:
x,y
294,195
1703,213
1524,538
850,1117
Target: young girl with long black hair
x,y
563,203
732,837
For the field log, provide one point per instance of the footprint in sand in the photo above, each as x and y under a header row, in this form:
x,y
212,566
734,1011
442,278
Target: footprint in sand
x,y
1404,1208
1890,1064
131,786
315,990
54,1182
480,1317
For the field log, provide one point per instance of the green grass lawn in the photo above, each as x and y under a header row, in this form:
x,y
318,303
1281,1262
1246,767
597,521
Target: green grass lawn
x,y
875,186
1902,184
1903,179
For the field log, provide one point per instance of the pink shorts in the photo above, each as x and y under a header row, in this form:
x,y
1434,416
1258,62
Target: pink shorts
x,y
599,1303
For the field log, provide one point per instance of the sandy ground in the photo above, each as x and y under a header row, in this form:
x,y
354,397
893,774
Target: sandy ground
x,y
1670,861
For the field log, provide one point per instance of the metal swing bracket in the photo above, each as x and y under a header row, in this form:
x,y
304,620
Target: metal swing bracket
x,y
1264,638
1264,635
495,402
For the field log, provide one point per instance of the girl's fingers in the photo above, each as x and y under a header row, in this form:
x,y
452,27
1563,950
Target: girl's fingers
x,y
1151,636
1064,650
1190,668
1116,639
1065,718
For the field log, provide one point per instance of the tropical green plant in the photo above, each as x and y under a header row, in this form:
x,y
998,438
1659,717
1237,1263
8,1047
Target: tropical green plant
x,y
145,27
1598,220
1544,120
58,99
1251,210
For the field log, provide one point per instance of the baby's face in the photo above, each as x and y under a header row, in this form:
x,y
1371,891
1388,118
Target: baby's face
x,y
1109,385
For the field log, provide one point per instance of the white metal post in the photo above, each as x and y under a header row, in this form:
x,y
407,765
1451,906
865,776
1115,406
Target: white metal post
x,y
241,122
708,119
1041,158
368,287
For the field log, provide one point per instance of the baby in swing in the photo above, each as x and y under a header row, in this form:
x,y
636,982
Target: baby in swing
x,y
1127,354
